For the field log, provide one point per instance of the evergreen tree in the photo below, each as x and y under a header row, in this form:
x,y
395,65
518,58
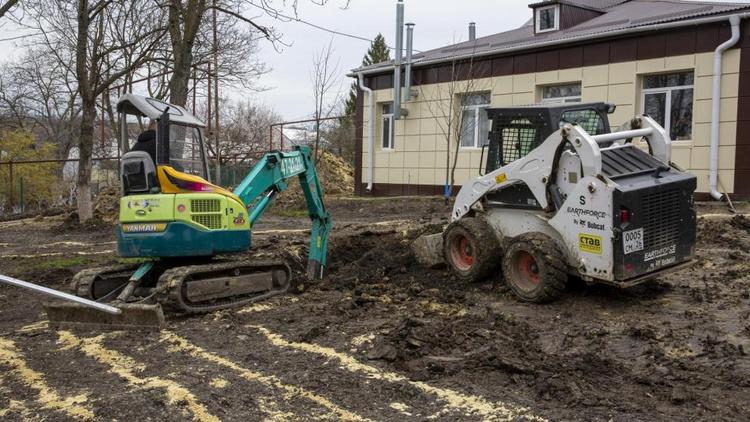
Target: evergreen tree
x,y
377,53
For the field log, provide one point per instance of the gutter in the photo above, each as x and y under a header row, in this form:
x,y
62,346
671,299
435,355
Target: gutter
x,y
561,41
713,177
370,130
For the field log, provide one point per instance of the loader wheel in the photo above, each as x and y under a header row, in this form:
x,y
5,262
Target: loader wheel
x,y
471,249
534,268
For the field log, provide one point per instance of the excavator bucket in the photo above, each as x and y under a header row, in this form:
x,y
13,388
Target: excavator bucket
x,y
78,312
131,316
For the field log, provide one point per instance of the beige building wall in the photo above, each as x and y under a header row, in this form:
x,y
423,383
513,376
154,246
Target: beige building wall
x,y
419,156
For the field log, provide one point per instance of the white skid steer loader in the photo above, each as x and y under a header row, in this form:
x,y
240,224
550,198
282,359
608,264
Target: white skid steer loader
x,y
564,196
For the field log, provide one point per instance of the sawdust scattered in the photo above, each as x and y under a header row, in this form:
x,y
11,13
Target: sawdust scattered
x,y
15,407
218,383
359,341
258,307
454,400
400,407
446,309
37,326
272,413
126,368
48,397
179,344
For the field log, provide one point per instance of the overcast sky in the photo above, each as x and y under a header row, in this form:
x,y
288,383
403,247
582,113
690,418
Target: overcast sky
x,y
438,23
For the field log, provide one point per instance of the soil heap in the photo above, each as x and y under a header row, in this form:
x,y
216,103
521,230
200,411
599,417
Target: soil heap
x,y
336,177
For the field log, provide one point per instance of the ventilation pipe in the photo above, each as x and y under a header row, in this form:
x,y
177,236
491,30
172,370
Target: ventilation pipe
x,y
409,51
713,178
399,57
370,130
472,31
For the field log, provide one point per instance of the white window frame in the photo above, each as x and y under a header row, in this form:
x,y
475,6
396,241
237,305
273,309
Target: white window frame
x,y
667,91
562,100
389,117
537,21
476,109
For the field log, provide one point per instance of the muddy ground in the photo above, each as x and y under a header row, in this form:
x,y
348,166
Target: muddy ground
x,y
382,339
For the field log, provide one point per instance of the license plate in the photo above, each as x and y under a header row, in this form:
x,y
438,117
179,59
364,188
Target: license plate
x,y
632,241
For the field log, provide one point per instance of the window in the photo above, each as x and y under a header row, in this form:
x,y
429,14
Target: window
x,y
386,134
474,123
668,99
547,18
558,94
589,120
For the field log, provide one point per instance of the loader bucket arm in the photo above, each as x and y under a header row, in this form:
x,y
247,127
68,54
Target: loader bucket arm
x,y
269,177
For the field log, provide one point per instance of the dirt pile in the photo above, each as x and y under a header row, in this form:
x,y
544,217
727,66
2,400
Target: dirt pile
x,y
107,207
336,177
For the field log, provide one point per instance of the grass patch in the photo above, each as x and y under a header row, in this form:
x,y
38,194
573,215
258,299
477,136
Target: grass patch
x,y
292,213
62,263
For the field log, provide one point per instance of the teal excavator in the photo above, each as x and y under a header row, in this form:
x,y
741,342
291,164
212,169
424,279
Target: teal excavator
x,y
187,234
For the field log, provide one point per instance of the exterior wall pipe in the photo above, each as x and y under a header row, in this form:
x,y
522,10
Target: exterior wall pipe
x,y
370,130
556,42
713,177
472,31
409,50
398,59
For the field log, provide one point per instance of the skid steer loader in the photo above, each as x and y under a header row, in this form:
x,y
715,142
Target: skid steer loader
x,y
187,232
563,195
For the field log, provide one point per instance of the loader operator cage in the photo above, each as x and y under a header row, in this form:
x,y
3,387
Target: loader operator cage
x,y
179,135
515,131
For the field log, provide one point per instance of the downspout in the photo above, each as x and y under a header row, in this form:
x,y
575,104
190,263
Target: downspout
x,y
398,60
370,130
713,178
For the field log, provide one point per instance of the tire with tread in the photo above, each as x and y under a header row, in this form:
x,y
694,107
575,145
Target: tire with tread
x,y
485,252
549,276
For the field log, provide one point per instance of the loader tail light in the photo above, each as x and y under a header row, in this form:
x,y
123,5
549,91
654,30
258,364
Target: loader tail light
x,y
624,215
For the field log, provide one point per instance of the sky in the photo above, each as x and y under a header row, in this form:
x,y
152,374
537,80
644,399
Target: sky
x,y
438,23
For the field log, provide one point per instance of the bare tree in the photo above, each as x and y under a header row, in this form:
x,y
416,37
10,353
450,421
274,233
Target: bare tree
x,y
446,104
324,77
6,6
245,131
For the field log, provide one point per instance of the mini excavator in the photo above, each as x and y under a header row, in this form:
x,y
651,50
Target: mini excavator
x,y
182,229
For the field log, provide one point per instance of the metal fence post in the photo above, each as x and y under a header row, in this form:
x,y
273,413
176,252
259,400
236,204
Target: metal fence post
x,y
20,194
10,194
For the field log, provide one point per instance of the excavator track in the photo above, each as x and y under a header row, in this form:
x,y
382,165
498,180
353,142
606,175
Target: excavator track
x,y
212,287
97,283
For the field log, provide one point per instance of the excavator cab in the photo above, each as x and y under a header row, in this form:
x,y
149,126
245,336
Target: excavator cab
x,y
172,138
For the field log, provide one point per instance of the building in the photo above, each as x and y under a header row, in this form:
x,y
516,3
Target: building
x,y
645,56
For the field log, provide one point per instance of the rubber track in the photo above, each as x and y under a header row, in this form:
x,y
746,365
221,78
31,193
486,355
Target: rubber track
x,y
171,281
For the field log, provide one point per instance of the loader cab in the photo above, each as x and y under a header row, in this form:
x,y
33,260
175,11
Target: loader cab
x,y
175,154
516,131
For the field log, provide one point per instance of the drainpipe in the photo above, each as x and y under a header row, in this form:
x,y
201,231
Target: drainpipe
x,y
370,130
713,178
399,58
409,49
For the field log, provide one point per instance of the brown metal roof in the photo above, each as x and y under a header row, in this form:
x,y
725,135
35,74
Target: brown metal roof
x,y
619,15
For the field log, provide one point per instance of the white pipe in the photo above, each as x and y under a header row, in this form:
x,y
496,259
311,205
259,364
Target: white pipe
x,y
60,295
713,176
409,49
399,58
615,136
370,130
556,42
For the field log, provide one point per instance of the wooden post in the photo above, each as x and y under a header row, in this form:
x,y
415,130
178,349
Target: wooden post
x,y
10,169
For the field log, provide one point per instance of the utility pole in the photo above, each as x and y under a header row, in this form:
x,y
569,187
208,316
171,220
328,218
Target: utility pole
x,y
216,98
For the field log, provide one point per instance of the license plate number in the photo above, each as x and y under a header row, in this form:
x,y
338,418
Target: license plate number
x,y
632,241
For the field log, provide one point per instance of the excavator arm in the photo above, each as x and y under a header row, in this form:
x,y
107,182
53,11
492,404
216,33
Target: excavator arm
x,y
269,178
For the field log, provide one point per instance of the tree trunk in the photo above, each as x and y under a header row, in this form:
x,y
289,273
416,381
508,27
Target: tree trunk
x,y
85,146
179,83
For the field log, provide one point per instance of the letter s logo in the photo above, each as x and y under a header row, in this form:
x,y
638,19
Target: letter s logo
x,y
582,200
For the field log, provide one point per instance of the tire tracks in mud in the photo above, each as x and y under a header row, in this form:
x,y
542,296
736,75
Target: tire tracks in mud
x,y
46,396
